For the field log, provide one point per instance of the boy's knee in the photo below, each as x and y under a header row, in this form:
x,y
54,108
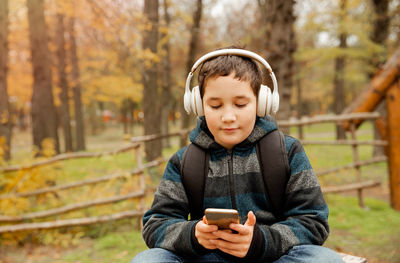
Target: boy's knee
x,y
154,255
313,253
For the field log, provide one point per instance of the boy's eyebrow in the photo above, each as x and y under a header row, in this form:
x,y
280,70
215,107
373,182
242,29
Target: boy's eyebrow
x,y
236,97
213,98
241,97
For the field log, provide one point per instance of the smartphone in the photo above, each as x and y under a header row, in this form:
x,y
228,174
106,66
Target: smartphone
x,y
221,217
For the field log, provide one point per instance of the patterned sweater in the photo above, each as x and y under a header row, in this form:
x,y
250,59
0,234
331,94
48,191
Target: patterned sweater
x,y
235,181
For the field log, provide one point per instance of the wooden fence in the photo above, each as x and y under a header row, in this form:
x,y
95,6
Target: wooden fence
x,y
19,223
353,118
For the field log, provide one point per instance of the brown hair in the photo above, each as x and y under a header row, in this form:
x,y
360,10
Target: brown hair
x,y
244,69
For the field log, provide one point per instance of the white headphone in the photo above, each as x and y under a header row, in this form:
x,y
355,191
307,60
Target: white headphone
x,y
267,101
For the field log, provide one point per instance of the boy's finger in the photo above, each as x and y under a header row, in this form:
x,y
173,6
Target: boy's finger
x,y
251,219
206,228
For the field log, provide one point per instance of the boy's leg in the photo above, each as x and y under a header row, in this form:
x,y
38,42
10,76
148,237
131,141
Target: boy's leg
x,y
156,255
310,254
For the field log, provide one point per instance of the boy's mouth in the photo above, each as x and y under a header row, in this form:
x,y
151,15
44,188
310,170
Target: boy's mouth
x,y
229,129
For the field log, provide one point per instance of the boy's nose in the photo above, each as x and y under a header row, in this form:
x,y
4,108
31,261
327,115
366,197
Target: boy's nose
x,y
227,117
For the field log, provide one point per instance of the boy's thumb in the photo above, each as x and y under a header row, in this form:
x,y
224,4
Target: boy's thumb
x,y
251,219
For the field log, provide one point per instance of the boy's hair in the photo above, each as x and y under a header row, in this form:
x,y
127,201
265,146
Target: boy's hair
x,y
245,69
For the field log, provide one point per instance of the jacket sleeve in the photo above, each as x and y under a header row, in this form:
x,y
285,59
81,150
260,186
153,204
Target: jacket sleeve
x,y
165,224
305,219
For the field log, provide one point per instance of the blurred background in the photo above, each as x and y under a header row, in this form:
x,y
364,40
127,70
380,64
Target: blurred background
x,y
69,68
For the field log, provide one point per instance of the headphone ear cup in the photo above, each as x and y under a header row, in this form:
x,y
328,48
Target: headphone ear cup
x,y
196,102
275,102
269,101
264,101
187,97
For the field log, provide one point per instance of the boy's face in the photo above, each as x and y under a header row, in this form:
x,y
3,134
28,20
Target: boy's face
x,y
230,109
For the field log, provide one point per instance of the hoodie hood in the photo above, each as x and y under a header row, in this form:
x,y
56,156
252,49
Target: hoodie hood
x,y
202,136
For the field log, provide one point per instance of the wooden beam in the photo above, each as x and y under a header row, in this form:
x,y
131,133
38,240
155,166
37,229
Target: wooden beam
x,y
349,187
88,181
68,156
305,120
393,109
381,126
375,92
71,207
70,222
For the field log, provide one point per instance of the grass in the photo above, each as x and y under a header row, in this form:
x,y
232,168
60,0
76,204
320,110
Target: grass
x,y
372,232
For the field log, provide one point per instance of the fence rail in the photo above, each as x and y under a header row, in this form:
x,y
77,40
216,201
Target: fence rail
x,y
68,156
143,191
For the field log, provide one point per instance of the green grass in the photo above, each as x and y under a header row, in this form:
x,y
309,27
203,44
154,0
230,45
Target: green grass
x,y
372,232
119,246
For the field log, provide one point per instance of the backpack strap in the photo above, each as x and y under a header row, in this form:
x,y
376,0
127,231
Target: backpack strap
x,y
194,169
274,166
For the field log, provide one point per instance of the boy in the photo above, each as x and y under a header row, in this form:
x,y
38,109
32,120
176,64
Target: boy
x,y
229,130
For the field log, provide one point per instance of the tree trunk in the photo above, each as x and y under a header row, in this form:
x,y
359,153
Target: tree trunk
x,y
94,117
300,104
150,86
76,88
379,36
44,120
166,76
340,64
63,84
193,45
5,121
279,45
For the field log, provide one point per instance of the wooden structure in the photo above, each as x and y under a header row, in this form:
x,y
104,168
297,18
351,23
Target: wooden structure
x,y
385,85
359,185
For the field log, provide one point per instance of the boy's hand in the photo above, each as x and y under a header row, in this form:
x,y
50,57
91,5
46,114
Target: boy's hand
x,y
235,244
204,234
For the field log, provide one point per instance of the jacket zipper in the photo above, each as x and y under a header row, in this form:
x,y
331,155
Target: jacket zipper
x,y
231,181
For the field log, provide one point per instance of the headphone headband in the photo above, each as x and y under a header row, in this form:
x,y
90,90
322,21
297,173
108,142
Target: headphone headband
x,y
237,52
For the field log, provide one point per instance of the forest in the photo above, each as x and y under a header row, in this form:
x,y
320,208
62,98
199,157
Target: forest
x,y
69,66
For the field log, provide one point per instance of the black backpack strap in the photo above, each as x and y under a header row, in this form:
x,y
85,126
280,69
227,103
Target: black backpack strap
x,y
274,165
194,169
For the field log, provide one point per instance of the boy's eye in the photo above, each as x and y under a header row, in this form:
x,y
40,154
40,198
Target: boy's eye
x,y
215,106
241,105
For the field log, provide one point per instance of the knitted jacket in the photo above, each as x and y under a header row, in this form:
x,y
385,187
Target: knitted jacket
x,y
235,181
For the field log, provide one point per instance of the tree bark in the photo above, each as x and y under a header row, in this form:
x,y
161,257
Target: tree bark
x,y
5,120
76,88
379,36
44,121
279,45
63,84
340,64
193,45
151,110
166,77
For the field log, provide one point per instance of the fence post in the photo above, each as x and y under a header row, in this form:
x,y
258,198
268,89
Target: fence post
x,y
393,107
356,162
142,182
